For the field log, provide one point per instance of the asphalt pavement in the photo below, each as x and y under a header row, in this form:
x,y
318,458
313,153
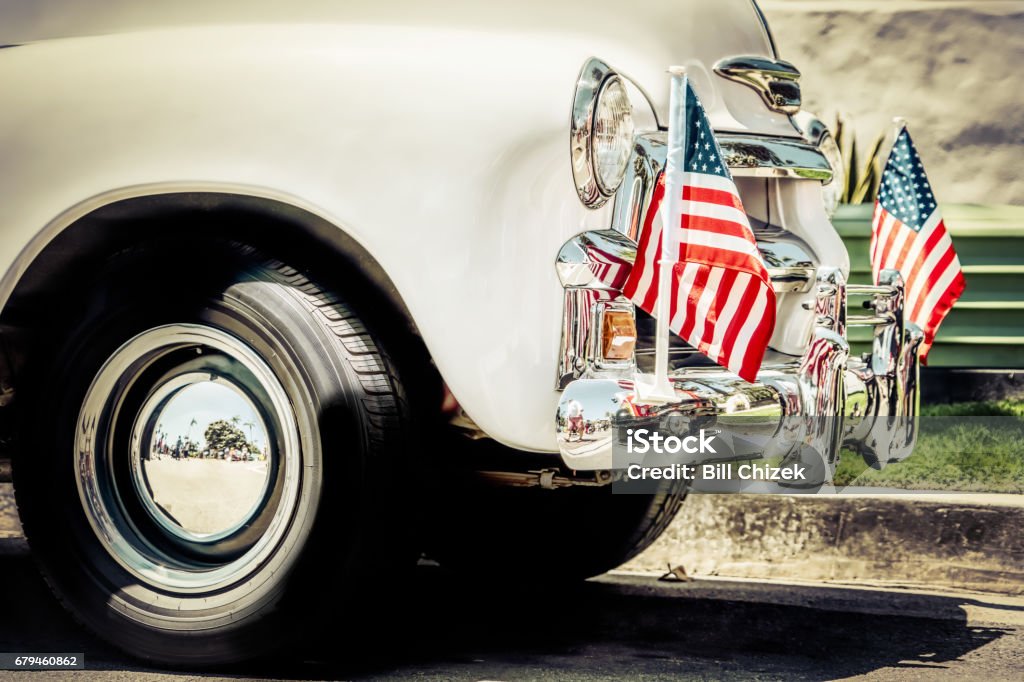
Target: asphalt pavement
x,y
620,626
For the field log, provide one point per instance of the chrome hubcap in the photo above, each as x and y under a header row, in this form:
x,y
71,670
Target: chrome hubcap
x,y
200,457
187,458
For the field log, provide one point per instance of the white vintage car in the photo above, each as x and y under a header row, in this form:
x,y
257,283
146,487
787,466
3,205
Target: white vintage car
x,y
293,293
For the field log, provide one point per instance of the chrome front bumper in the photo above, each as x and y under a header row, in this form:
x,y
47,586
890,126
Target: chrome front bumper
x,y
823,400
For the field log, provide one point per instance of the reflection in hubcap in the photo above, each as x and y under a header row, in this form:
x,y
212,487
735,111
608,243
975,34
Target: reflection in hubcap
x,y
187,458
204,466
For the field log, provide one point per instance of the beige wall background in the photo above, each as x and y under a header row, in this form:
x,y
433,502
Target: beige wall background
x,y
954,69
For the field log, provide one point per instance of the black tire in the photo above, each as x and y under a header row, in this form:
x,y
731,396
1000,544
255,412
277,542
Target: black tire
x,y
535,538
349,417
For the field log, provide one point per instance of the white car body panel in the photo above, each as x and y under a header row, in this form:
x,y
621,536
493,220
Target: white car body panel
x,y
435,136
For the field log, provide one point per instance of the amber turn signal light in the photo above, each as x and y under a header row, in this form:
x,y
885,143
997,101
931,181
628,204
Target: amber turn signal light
x,y
618,335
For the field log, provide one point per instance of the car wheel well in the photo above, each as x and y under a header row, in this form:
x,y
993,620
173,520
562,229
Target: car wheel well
x,y
274,229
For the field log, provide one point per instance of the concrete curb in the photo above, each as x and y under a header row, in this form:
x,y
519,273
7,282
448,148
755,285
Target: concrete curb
x,y
937,541
947,541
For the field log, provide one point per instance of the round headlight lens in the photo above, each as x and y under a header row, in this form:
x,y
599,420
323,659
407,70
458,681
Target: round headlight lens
x,y
832,191
612,135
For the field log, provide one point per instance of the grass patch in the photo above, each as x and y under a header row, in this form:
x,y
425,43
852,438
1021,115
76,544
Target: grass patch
x,y
966,447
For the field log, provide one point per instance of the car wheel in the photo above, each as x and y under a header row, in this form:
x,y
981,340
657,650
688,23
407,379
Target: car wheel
x,y
202,463
533,537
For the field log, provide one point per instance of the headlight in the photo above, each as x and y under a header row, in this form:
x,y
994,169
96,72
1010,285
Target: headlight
x,y
613,135
601,133
832,191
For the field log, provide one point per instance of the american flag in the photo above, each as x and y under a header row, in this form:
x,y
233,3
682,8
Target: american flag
x,y
722,299
908,235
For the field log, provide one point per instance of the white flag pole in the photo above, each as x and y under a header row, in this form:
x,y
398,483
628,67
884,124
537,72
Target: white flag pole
x,y
670,212
898,124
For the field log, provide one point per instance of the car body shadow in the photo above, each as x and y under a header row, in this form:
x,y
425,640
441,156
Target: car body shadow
x,y
437,626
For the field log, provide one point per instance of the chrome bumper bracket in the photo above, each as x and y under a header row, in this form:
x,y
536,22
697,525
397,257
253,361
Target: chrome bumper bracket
x,y
816,403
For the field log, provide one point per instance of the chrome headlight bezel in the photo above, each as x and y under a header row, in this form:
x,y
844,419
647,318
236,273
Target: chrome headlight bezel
x,y
596,80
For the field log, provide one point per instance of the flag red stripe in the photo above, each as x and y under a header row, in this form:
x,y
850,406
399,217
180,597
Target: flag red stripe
x,y
876,219
691,297
939,312
912,270
908,242
758,344
750,293
931,279
725,258
890,240
716,225
712,196
721,295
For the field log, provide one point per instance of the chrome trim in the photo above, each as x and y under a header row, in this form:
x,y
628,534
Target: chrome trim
x,y
593,77
791,268
786,261
883,401
148,483
575,265
777,81
815,403
810,126
773,157
600,362
634,195
586,296
746,155
791,280
580,349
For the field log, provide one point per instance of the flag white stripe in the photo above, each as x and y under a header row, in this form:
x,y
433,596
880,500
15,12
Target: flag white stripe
x,y
922,238
707,297
652,254
685,284
883,237
876,232
932,293
930,263
742,345
706,181
936,292
914,283
739,287
892,259
719,241
707,209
